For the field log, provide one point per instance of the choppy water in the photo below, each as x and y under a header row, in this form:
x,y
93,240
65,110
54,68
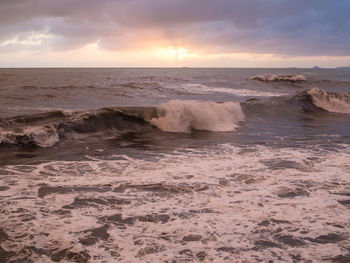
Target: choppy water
x,y
174,165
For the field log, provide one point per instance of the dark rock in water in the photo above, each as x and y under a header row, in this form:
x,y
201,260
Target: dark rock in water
x,y
325,239
191,238
82,257
316,67
289,240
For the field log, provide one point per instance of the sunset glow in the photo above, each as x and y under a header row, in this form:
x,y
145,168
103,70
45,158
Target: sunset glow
x,y
174,131
172,54
143,33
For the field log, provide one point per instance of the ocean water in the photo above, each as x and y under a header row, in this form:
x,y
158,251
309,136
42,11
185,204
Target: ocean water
x,y
174,165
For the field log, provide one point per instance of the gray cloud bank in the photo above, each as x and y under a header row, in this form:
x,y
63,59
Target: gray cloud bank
x,y
284,27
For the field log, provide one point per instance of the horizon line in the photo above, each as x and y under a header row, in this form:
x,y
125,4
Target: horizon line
x,y
184,67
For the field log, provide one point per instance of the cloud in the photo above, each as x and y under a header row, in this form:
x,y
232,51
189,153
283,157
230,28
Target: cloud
x,y
283,27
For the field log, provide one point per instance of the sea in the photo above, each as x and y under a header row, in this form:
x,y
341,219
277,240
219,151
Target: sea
x,y
174,165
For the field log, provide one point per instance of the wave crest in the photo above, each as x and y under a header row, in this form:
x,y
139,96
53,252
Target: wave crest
x,y
275,78
309,101
184,116
330,101
44,130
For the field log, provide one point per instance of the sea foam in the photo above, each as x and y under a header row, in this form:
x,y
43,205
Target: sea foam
x,y
43,136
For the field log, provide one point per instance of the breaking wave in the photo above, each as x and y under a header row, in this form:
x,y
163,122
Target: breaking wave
x,y
45,130
275,78
330,101
184,116
43,136
312,100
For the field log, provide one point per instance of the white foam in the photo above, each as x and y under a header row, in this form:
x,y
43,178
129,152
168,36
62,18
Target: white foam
x,y
203,89
332,102
236,209
182,116
43,136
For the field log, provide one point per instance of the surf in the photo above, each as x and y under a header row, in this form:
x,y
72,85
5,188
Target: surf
x,y
185,116
175,116
276,78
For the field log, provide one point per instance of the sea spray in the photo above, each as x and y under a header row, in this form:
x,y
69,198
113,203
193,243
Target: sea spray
x,y
184,116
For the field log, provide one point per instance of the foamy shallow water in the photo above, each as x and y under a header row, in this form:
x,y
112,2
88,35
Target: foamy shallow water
x,y
174,165
243,204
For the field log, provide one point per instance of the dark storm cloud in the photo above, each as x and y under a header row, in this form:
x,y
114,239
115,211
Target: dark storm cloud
x,y
285,27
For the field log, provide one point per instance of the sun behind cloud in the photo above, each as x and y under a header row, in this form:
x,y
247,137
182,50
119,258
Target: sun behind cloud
x,y
172,54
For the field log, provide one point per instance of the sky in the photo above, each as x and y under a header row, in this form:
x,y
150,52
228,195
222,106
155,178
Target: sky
x,y
174,33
